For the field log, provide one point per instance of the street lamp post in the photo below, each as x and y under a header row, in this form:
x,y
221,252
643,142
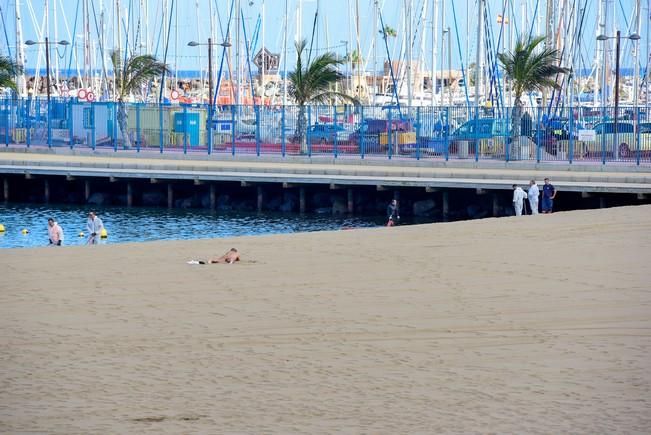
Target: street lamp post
x,y
224,44
347,62
47,78
617,37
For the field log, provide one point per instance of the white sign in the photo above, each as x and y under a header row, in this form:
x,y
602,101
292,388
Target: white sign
x,y
587,135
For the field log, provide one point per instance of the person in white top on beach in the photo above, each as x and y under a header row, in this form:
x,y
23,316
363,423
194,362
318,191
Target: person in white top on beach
x,y
518,199
532,194
55,232
94,227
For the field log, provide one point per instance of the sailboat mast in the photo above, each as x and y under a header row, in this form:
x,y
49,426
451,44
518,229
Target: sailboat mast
x,y
478,59
285,54
20,51
264,58
409,19
435,13
636,54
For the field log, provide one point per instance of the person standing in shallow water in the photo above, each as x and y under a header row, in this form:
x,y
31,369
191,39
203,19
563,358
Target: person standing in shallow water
x,y
393,213
55,232
549,193
94,227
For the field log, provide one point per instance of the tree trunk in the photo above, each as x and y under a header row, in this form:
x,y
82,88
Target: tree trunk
x,y
516,116
301,128
122,122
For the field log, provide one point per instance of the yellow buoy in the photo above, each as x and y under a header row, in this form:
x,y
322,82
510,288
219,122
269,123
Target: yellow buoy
x,y
24,231
2,228
103,234
81,234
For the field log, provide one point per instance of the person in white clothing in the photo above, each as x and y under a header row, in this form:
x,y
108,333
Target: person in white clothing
x,y
94,227
532,194
518,199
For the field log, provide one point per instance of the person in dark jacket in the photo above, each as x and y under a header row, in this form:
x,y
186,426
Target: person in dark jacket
x,y
393,213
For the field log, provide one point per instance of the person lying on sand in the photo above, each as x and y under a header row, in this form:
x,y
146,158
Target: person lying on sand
x,y
229,257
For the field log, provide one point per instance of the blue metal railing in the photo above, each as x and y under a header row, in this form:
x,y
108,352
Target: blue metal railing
x,y
575,135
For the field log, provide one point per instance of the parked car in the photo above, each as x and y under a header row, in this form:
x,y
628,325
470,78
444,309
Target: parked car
x,y
483,130
323,133
371,129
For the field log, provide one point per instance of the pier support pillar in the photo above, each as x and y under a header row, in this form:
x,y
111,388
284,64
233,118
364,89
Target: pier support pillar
x,y
46,190
602,202
5,189
213,197
446,204
260,198
170,195
496,205
86,190
129,194
301,200
351,201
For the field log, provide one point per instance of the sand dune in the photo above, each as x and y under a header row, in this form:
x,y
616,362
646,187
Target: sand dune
x,y
514,325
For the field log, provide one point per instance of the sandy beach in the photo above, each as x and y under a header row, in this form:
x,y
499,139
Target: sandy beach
x,y
513,325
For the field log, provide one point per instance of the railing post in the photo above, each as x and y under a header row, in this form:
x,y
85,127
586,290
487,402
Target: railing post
x,y
283,138
570,150
603,136
390,133
28,123
48,116
185,129
233,130
138,133
446,127
507,146
93,136
477,140
71,130
638,137
361,133
161,133
336,142
307,129
209,127
257,130
114,132
6,120
538,152
418,133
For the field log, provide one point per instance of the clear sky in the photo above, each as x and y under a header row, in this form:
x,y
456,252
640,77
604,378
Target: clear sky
x,y
335,26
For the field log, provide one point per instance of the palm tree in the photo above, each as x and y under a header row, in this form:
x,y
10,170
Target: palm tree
x,y
312,83
530,69
8,71
137,71
355,59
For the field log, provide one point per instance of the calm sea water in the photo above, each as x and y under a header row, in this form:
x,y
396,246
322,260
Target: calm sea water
x,y
146,224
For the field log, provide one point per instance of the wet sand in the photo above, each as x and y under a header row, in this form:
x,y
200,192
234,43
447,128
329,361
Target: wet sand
x,y
513,325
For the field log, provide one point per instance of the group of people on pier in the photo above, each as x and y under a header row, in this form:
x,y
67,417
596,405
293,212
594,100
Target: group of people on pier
x,y
532,195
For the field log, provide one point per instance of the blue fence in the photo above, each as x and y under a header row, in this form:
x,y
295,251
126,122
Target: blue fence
x,y
578,134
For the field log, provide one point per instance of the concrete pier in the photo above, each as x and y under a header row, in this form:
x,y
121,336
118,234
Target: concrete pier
x,y
170,195
301,200
351,201
86,189
46,191
213,197
129,195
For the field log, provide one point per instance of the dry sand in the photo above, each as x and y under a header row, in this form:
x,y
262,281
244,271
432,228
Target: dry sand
x,y
514,325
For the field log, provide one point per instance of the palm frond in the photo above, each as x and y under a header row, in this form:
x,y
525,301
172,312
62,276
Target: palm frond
x,y
137,70
8,71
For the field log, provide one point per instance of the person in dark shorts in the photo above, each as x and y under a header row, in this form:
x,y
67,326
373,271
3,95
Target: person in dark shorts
x,y
549,193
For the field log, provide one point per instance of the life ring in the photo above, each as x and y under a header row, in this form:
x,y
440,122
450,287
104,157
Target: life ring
x,y
90,97
82,94
174,95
